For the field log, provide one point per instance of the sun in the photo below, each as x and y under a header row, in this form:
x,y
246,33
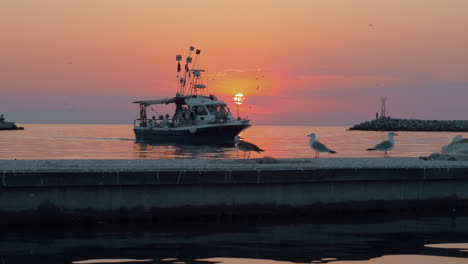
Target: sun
x,y
238,98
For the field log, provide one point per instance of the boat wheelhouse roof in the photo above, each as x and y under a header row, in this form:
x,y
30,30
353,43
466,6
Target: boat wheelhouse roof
x,y
189,100
156,101
203,101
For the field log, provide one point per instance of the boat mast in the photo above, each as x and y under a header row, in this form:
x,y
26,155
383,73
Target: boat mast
x,y
191,76
182,81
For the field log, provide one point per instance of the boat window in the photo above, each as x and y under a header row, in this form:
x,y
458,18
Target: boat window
x,y
223,110
222,113
212,109
200,110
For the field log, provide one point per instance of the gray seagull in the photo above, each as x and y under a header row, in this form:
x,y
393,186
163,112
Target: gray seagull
x,y
318,147
385,145
246,146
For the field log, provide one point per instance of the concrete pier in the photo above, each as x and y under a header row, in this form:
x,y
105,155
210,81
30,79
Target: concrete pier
x,y
112,190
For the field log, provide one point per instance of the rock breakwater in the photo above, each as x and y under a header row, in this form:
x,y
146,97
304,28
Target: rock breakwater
x,y
397,124
9,126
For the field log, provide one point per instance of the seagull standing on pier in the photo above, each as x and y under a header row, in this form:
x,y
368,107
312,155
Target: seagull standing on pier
x,y
246,146
318,147
385,145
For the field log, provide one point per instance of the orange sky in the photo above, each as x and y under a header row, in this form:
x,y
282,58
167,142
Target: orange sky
x,y
313,62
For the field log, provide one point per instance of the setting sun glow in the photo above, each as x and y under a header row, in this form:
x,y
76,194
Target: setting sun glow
x,y
238,98
324,62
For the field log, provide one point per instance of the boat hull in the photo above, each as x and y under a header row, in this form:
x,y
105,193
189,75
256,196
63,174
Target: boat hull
x,y
211,135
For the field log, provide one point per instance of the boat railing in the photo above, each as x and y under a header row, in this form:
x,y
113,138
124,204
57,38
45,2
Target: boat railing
x,y
149,122
158,123
183,122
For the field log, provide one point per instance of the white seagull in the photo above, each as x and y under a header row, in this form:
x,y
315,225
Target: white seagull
x,y
318,147
246,146
385,145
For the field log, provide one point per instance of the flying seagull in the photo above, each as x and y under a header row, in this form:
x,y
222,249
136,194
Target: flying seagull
x,y
318,147
246,146
385,145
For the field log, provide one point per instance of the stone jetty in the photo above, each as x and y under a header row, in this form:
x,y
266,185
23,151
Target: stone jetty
x,y
9,126
4,125
399,124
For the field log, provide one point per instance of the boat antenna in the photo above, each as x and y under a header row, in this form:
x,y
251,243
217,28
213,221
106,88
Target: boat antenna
x,y
188,60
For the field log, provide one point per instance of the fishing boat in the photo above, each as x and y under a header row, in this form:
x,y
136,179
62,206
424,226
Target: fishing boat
x,y
199,117
4,125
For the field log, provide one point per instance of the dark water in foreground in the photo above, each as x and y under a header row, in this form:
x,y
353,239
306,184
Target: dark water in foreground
x,y
43,141
365,241
302,242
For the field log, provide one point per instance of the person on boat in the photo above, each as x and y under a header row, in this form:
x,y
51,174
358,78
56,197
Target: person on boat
x,y
222,115
2,118
192,118
212,110
187,117
152,122
200,110
177,120
165,121
159,124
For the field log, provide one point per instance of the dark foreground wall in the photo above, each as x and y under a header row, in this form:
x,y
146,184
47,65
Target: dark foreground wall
x,y
28,195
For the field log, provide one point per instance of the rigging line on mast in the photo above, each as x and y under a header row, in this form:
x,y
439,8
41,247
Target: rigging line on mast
x,y
154,111
197,52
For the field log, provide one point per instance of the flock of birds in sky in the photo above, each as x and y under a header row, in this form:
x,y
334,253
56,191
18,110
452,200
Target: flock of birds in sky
x,y
317,146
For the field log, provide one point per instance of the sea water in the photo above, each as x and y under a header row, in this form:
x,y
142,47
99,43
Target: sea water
x,y
341,239
77,141
389,240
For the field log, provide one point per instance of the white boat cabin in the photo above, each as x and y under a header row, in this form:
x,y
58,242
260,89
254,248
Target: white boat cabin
x,y
191,110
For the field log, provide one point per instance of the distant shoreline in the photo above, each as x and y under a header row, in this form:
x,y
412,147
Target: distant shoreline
x,y
400,124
